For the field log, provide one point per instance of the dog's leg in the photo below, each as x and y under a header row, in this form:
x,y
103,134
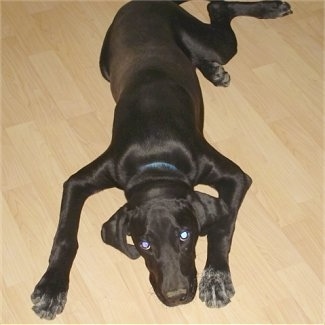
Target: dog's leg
x,y
232,183
50,294
212,46
209,46
219,10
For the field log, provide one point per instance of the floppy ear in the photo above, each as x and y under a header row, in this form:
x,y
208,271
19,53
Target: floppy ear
x,y
208,210
115,230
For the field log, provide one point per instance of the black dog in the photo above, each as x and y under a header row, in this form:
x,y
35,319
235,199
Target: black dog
x,y
158,154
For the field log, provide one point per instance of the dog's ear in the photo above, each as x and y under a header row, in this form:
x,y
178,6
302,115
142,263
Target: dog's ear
x,y
208,210
115,230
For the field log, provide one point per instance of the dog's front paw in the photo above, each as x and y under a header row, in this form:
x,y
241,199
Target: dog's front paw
x,y
216,288
49,298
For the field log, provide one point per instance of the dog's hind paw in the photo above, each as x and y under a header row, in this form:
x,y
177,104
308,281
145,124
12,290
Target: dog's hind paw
x,y
215,73
216,288
274,9
219,77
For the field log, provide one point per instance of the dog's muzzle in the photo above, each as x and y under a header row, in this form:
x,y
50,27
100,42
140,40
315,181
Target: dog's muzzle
x,y
177,297
174,297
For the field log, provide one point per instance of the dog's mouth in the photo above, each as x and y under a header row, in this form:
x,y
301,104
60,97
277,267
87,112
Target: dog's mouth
x,y
175,297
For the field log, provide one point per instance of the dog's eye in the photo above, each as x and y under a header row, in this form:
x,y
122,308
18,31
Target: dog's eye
x,y
184,235
145,245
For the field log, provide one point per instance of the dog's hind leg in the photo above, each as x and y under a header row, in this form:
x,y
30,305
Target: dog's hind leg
x,y
213,45
218,10
209,46
221,14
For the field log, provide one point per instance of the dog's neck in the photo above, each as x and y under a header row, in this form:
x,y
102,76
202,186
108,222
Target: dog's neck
x,y
159,189
157,180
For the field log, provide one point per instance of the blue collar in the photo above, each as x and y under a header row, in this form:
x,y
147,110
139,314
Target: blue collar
x,y
158,165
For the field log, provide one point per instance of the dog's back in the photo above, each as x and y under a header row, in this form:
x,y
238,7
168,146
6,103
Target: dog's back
x,y
143,37
152,79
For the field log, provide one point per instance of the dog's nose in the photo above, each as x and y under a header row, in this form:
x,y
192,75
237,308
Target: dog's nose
x,y
177,296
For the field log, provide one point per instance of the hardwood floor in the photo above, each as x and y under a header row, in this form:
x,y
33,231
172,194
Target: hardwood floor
x,y
57,114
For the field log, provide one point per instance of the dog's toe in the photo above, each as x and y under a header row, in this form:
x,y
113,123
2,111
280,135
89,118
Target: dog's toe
x,y
216,288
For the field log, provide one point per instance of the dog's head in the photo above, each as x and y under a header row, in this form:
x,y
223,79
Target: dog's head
x,y
164,232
